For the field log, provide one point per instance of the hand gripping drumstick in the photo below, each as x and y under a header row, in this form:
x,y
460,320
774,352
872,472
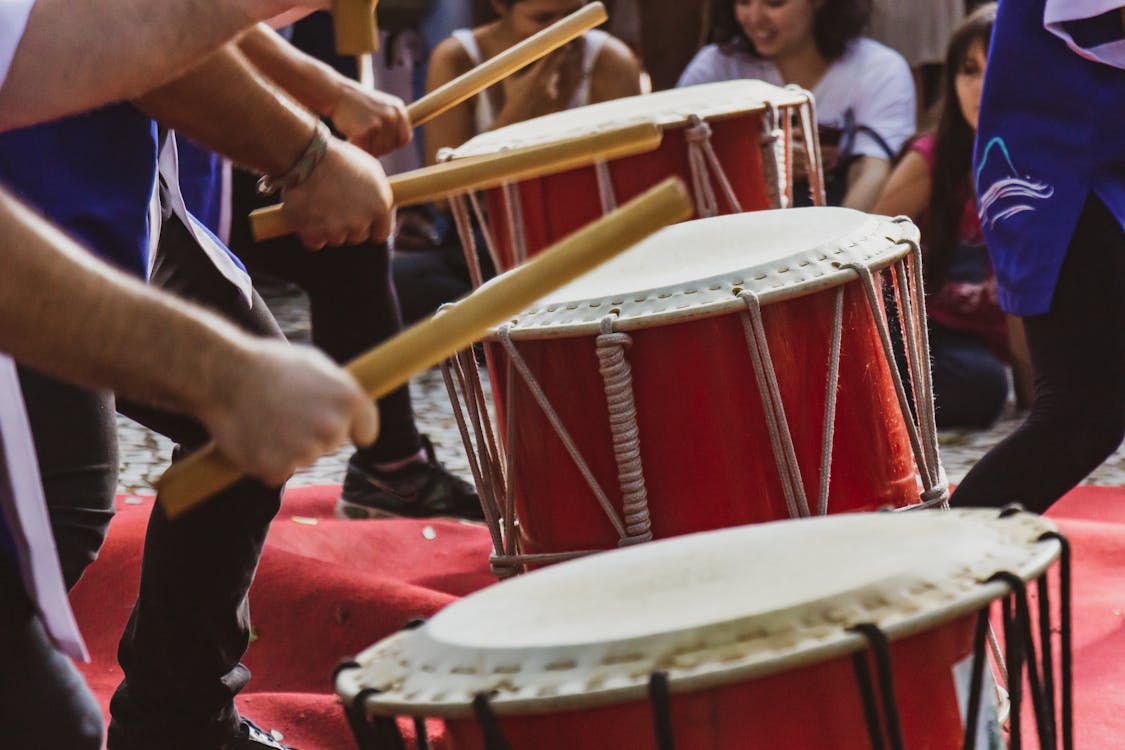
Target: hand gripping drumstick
x,y
475,173
389,365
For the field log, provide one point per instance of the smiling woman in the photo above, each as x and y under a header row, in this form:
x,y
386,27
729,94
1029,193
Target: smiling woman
x,y
864,90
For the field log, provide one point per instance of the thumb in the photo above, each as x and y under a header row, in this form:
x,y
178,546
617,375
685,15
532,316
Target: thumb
x,y
365,424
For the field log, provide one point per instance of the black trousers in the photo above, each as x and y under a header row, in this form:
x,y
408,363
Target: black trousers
x,y
44,702
190,625
1078,355
352,306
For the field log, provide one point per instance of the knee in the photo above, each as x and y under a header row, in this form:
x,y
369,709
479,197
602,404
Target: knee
x,y
970,393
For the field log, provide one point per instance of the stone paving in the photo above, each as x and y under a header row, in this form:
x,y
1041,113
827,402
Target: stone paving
x,y
144,454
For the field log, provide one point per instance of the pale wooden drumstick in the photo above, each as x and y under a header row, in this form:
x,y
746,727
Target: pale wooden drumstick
x,y
389,365
507,62
442,180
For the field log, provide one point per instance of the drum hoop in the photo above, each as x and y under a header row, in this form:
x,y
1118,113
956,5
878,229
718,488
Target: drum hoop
x,y
802,273
516,135
707,673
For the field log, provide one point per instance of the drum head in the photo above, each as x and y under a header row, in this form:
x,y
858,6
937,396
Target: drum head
x,y
706,608
665,108
698,268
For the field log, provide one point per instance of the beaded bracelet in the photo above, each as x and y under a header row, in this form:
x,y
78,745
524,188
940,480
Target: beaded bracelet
x,y
302,168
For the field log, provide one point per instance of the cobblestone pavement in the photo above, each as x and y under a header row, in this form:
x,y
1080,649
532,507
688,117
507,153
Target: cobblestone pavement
x,y
144,454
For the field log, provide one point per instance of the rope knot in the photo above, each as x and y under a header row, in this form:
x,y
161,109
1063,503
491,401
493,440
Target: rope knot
x,y
698,131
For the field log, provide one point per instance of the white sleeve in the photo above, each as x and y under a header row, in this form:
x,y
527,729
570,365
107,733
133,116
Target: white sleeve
x,y
884,102
708,66
1091,28
13,20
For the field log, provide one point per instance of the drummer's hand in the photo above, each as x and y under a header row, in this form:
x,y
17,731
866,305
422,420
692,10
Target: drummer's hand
x,y
372,120
544,88
285,406
345,201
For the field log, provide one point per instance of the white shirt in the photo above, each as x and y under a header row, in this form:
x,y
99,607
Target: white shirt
x,y
870,79
13,20
1092,28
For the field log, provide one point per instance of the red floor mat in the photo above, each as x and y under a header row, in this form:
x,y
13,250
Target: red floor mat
x,y
327,589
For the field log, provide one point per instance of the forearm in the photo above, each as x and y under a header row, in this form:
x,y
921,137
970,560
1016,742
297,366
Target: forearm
x,y
865,182
308,80
226,105
64,312
78,54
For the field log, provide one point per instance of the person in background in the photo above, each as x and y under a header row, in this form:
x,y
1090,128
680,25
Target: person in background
x,y
971,339
864,91
594,68
1051,196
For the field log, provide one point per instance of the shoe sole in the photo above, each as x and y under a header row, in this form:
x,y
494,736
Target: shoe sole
x,y
355,512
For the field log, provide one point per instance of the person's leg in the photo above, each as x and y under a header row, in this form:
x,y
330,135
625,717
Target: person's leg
x,y
353,307
46,704
1078,355
75,434
190,626
970,382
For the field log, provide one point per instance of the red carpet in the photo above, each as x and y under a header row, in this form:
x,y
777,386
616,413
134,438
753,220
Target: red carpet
x,y
327,589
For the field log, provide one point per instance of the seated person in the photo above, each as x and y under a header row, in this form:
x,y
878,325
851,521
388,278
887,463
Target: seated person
x,y
594,68
864,91
971,340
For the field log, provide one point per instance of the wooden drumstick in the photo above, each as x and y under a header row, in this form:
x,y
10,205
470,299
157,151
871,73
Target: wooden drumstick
x,y
507,62
475,173
190,481
356,32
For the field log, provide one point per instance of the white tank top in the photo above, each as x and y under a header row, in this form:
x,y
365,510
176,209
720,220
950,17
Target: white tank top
x,y
485,115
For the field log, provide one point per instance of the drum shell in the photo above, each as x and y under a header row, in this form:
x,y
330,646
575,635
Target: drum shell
x,y
817,705
704,441
556,205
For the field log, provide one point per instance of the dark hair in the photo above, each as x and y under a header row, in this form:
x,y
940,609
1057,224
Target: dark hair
x,y
953,151
837,23
483,12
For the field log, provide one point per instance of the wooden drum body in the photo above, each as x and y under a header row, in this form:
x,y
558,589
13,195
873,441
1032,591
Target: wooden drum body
x,y
726,371
849,632
731,141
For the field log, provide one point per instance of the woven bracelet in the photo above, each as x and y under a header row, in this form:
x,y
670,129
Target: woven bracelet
x,y
302,168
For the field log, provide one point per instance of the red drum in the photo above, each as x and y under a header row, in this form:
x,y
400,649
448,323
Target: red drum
x,y
731,141
725,371
847,632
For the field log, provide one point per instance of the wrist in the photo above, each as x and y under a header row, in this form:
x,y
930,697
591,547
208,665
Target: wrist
x,y
300,170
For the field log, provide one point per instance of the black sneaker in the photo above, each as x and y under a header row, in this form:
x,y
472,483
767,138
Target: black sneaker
x,y
255,738
422,489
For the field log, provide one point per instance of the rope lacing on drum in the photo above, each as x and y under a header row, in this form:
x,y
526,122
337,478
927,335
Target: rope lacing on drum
x,y
813,159
831,387
490,728
513,206
660,699
605,186
923,444
780,438
891,727
481,452
486,231
503,333
468,238
705,165
775,163
618,377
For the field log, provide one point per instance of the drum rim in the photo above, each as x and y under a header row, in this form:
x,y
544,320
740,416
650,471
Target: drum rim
x,y
509,135
877,243
1041,554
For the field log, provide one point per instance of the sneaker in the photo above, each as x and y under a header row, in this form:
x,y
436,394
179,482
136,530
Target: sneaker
x,y
423,489
255,738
